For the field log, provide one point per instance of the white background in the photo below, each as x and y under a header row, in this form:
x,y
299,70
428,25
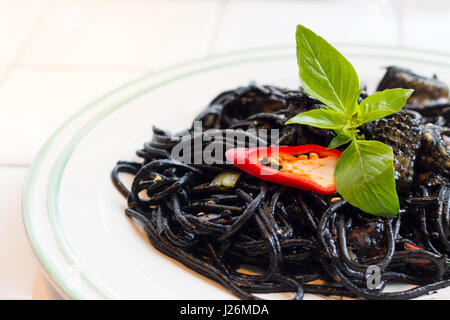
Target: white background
x,y
58,55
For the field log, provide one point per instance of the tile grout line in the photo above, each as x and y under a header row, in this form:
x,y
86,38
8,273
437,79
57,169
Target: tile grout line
x,y
27,42
74,67
14,166
221,14
399,19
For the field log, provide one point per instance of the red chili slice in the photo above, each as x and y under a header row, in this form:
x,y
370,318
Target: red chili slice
x,y
308,167
416,261
410,246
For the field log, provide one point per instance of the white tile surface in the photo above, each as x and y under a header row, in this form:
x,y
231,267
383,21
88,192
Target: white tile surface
x,y
425,24
3,68
18,265
18,19
249,23
34,102
43,289
133,33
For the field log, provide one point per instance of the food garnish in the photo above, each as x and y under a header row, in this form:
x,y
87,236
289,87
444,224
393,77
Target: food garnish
x,y
308,167
364,173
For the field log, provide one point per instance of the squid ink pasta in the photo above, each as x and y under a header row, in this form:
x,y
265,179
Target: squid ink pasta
x,y
254,237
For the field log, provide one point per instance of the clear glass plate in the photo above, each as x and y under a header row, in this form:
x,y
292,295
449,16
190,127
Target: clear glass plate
x,y
75,218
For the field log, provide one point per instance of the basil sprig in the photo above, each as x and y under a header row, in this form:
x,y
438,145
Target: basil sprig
x,y
364,174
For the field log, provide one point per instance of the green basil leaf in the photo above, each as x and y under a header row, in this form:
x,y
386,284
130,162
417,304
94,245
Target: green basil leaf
x,y
325,73
382,104
364,176
320,118
341,138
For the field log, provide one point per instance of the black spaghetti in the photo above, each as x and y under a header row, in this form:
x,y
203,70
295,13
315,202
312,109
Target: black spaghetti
x,y
292,240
